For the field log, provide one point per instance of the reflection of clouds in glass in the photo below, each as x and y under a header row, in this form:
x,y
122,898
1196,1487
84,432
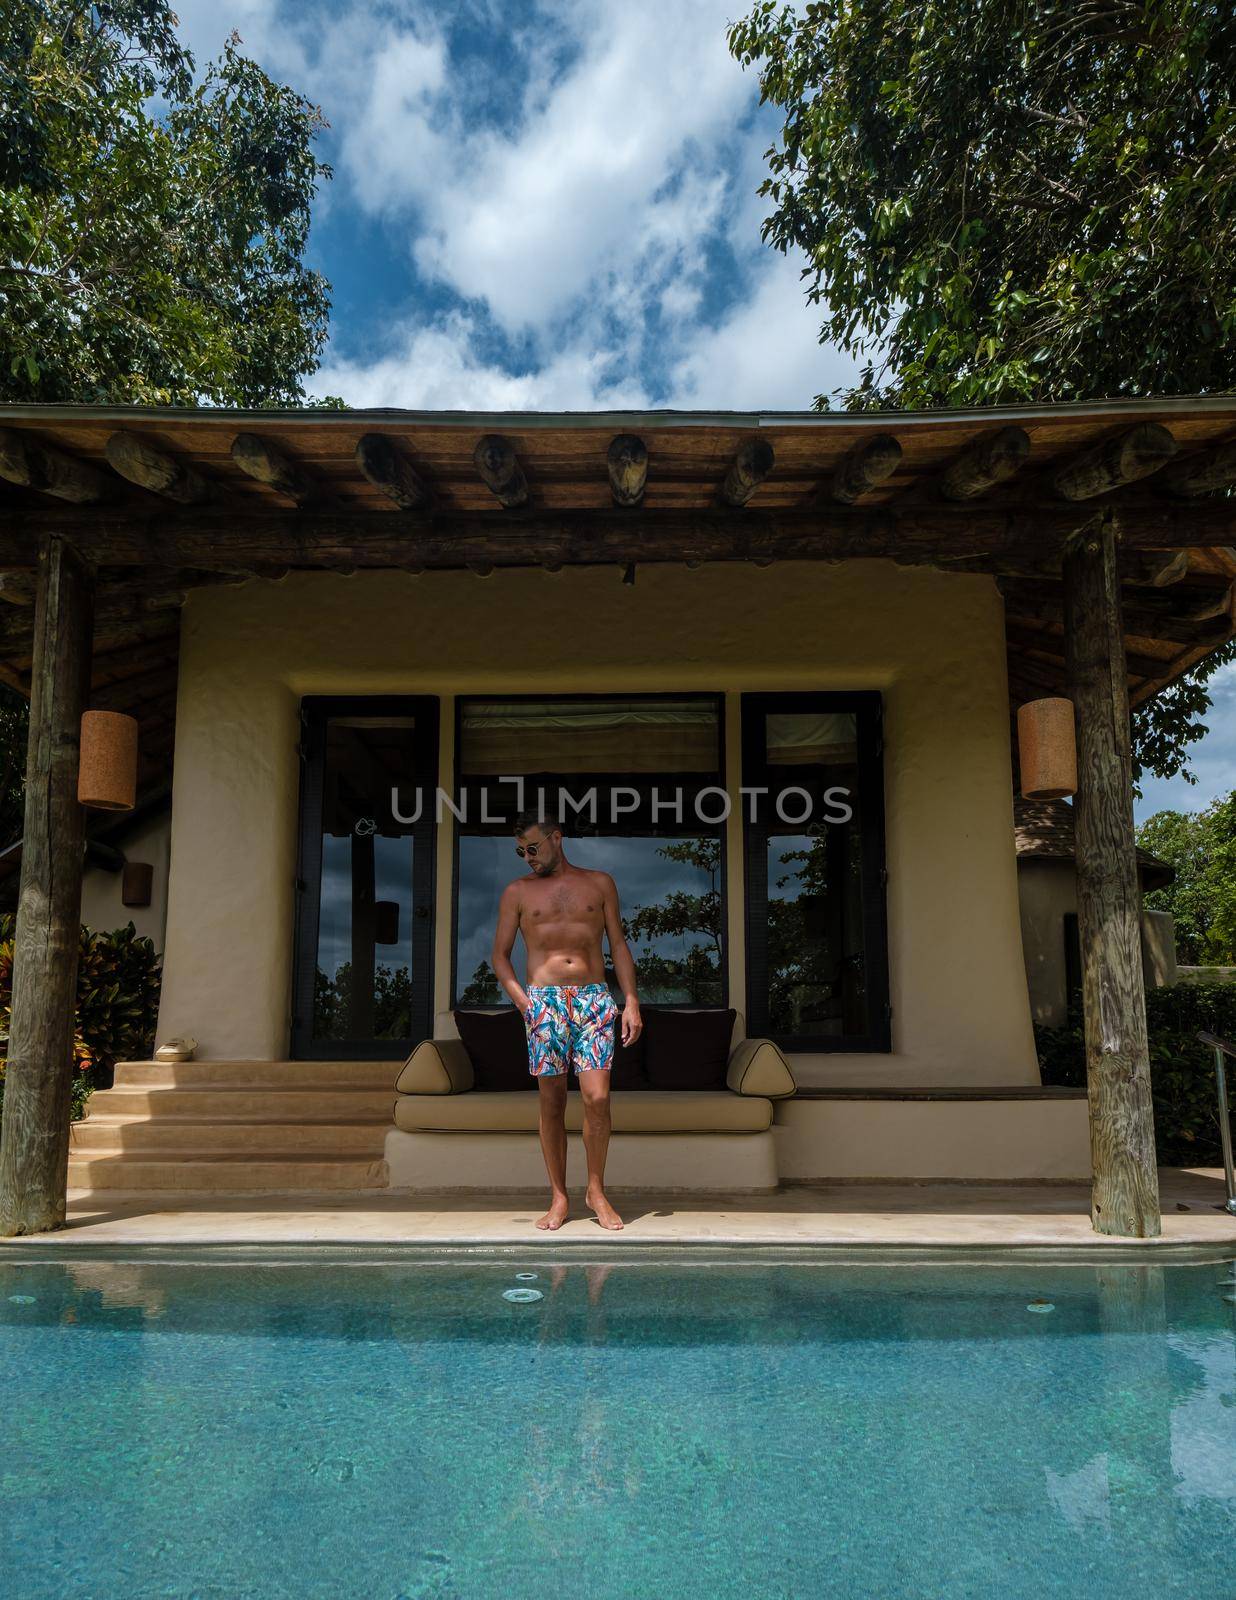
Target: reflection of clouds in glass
x,y
392,871
487,865
1083,1496
1204,1424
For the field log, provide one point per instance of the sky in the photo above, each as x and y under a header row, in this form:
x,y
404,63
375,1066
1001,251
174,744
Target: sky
x,y
552,205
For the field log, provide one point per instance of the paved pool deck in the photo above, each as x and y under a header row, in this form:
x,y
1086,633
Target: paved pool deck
x,y
883,1216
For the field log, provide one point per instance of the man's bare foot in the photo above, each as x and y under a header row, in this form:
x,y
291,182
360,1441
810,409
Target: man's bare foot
x,y
605,1213
559,1210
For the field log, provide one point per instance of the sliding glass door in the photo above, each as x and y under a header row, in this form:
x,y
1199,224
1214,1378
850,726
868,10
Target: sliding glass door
x,y
363,979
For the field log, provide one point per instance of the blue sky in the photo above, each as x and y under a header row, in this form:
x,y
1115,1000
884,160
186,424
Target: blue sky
x,y
551,205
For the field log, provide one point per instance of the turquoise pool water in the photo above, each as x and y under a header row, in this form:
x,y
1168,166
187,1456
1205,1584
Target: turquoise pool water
x,y
660,1431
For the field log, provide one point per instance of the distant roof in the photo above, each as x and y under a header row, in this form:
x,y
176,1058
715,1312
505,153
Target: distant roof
x,y
1043,831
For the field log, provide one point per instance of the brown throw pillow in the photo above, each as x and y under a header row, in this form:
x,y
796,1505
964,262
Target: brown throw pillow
x,y
497,1047
687,1049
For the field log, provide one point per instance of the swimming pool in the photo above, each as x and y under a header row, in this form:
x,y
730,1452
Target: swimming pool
x,y
653,1429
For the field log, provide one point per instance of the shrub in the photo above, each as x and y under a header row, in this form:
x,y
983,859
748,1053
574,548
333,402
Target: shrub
x,y
1182,1079
118,977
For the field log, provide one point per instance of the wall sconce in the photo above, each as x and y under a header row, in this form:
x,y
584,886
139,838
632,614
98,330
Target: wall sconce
x,y
386,922
137,884
1047,745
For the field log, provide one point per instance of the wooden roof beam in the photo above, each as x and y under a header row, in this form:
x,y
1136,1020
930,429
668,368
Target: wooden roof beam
x,y
149,468
267,464
37,466
388,469
990,459
627,464
1206,472
753,461
498,465
1121,459
864,468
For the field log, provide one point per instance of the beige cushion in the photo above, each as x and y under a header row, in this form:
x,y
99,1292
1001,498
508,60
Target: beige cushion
x,y
758,1067
633,1111
436,1066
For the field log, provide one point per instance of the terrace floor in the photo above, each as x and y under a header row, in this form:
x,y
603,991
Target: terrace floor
x,y
886,1215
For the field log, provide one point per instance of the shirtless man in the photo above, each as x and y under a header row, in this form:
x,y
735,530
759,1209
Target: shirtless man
x,y
568,1011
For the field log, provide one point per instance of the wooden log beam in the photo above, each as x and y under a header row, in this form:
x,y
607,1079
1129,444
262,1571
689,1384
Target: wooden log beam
x,y
1207,472
1024,638
34,1132
388,469
991,459
943,534
266,463
141,463
626,461
498,465
864,468
37,466
1124,458
753,461
1125,1189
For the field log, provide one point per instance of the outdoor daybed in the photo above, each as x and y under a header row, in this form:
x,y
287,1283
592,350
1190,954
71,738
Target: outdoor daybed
x,y
452,1132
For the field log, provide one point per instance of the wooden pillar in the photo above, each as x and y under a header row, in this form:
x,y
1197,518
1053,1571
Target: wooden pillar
x,y
1125,1194
34,1146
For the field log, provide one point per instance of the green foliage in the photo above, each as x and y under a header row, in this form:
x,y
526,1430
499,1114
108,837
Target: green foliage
x,y
1181,1069
1201,846
118,979
695,919
388,992
484,989
151,226
1004,203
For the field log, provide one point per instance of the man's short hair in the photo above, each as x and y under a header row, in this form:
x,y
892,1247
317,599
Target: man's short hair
x,y
547,820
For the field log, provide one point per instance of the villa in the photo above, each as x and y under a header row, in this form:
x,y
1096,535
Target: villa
x,y
346,635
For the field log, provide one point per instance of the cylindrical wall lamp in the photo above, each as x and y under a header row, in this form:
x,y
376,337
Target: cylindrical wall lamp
x,y
386,922
1047,745
107,772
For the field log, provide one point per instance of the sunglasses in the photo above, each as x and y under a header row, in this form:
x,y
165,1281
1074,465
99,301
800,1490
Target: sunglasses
x,y
522,850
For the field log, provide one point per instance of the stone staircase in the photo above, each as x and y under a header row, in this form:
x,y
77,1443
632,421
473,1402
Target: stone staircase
x,y
237,1127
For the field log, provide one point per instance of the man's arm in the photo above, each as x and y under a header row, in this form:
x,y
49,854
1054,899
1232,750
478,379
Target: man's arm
x,y
504,943
624,966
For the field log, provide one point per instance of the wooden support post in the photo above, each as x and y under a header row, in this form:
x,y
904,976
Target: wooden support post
x,y
1125,1192
34,1140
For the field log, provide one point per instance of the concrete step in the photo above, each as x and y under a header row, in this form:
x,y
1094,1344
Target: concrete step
x,y
224,1175
256,1074
247,1105
181,1136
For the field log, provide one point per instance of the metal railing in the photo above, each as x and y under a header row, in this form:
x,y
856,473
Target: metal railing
x,y
1221,1048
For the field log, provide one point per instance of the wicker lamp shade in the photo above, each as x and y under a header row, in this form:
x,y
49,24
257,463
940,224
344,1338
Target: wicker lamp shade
x,y
1047,745
107,772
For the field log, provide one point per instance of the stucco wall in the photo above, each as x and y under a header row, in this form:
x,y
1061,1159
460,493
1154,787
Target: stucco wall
x,y
932,643
102,907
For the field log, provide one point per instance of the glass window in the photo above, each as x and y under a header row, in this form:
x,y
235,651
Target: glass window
x,y
817,966
654,756
364,932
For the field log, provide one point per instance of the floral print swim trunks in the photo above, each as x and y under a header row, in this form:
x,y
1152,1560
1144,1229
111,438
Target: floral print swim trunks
x,y
569,1025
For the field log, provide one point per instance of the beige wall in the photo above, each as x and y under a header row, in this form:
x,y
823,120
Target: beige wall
x,y
932,643
102,907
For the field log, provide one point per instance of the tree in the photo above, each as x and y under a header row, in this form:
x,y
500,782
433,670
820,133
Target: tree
x,y
694,919
1012,200
152,227
1201,846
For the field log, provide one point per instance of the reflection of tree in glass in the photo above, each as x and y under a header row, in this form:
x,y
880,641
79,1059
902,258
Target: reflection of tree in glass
x,y
392,1004
695,919
815,978
484,989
